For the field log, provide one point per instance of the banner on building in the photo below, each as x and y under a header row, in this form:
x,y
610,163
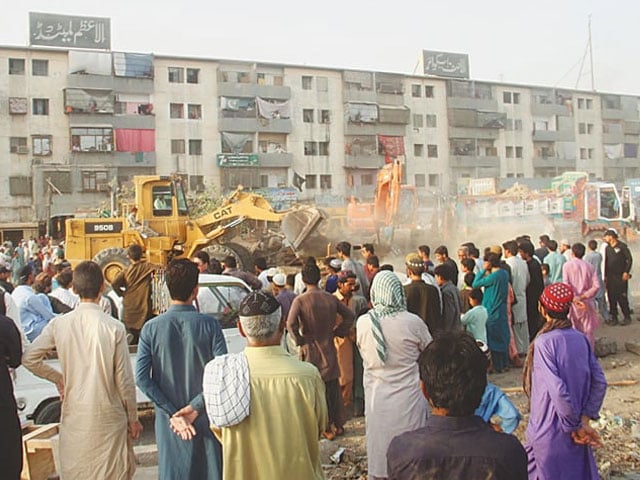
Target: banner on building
x,y
445,64
391,146
69,31
237,160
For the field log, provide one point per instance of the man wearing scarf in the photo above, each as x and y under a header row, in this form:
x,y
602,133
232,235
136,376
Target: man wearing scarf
x,y
390,340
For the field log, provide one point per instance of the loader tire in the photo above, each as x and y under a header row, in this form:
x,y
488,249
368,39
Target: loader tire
x,y
112,261
243,256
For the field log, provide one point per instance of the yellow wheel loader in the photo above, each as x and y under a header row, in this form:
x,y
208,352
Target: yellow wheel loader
x,y
245,225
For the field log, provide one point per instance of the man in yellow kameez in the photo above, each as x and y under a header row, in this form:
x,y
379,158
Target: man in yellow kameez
x,y
99,414
266,401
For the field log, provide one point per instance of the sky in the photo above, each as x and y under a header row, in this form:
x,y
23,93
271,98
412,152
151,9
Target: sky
x,y
538,42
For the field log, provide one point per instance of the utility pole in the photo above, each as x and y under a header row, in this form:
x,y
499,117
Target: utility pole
x,y
593,84
50,189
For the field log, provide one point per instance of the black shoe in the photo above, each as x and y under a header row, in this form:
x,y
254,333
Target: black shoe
x,y
612,322
625,321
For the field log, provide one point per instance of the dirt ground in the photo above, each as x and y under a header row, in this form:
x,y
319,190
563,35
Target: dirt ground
x,y
619,424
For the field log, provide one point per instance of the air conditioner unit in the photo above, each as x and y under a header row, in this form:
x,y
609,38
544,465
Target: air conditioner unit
x,y
22,150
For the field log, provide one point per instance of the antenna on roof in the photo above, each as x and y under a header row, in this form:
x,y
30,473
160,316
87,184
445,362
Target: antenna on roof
x,y
588,50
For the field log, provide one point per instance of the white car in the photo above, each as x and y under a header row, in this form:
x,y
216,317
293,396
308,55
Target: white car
x,y
220,296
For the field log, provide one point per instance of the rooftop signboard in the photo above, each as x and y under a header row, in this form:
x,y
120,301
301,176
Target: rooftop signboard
x,y
51,30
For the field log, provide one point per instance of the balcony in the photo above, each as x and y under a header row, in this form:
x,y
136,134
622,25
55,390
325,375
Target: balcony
x,y
117,84
470,161
279,92
353,95
466,132
550,110
552,162
553,136
275,160
280,125
374,129
631,128
613,137
363,161
486,104
115,159
613,114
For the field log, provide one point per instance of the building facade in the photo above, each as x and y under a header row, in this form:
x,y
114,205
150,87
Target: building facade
x,y
76,125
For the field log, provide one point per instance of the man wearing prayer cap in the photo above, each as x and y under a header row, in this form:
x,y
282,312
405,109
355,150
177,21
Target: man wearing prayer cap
x,y
422,299
247,393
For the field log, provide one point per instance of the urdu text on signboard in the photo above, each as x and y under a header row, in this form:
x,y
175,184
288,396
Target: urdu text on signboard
x,y
445,64
67,31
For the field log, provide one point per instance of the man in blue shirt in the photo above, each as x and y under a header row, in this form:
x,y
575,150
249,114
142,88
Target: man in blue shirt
x,y
173,350
35,310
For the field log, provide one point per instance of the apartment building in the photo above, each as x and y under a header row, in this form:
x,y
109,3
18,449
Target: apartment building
x,y
77,124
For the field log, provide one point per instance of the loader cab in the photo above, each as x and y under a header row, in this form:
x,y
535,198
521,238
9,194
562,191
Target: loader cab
x,y
162,206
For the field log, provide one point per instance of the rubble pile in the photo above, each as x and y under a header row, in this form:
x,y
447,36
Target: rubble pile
x,y
620,452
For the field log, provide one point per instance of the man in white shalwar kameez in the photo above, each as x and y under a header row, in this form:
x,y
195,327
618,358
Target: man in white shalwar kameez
x,y
99,411
390,340
519,282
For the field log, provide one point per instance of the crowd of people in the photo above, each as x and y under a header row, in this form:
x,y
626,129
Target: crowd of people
x,y
410,349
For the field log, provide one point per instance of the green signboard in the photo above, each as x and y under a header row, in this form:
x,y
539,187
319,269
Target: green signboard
x,y
237,160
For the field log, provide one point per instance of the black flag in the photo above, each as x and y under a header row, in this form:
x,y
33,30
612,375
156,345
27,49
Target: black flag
x,y
298,181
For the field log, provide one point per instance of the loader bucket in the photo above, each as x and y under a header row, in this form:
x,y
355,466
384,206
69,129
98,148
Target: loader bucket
x,y
299,224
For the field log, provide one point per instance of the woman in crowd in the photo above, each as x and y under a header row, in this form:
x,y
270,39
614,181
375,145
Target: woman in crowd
x,y
566,386
390,340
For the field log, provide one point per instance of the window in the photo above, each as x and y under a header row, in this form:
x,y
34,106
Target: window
x,y
195,147
194,111
366,179
20,186
306,83
40,68
419,180
18,145
583,154
40,106
590,153
511,97
87,139
61,179
177,146
176,75
506,97
418,149
95,181
311,148
322,84
508,152
517,124
18,105
432,120
589,104
418,120
41,145
416,91
325,182
193,75
434,180
432,151
325,116
307,115
518,152
311,181
581,103
516,98
323,148
176,110
196,183
589,128
582,128
428,91
16,66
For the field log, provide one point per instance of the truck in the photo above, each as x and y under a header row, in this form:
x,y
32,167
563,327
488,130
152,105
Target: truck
x,y
572,207
244,225
392,216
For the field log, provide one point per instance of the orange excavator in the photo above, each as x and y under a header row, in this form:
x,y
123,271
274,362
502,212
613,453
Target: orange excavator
x,y
392,217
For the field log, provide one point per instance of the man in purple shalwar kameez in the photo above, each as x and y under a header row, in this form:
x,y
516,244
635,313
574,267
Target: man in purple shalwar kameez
x,y
566,387
582,278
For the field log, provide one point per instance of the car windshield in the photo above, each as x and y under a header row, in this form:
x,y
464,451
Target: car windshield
x,y
222,301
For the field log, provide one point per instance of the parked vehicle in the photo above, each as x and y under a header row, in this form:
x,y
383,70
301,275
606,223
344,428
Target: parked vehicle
x,y
38,398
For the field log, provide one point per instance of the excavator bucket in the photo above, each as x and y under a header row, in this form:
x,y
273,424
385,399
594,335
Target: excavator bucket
x,y
299,224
